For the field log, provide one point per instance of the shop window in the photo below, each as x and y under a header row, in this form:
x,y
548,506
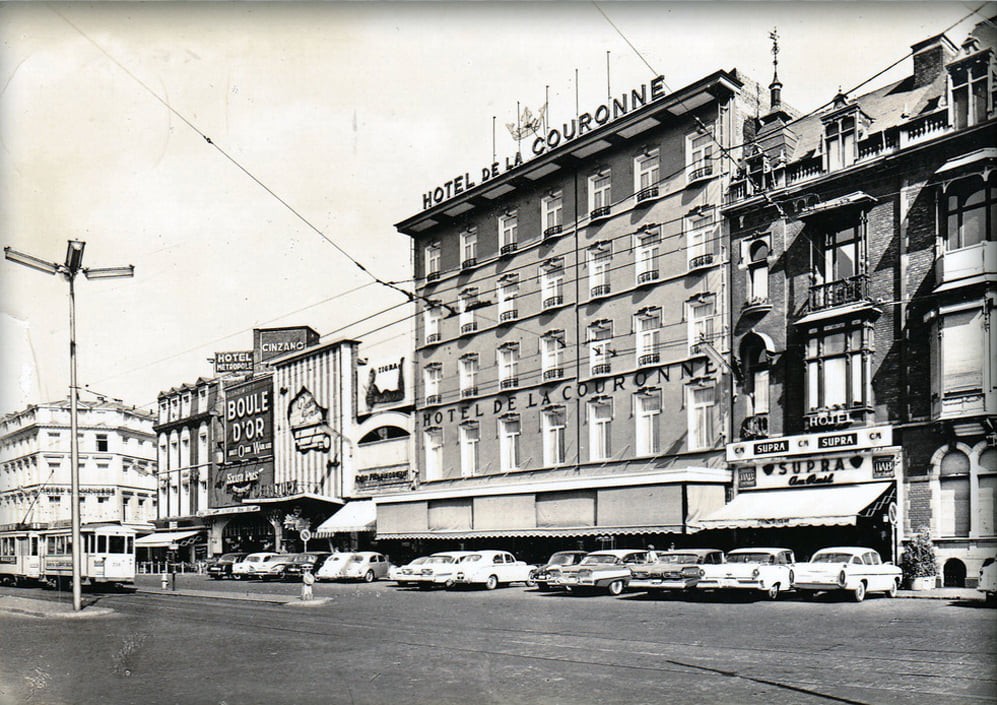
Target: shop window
x,y
600,202
552,283
969,210
433,261
702,321
509,431
508,290
552,207
508,362
508,227
702,404
469,248
552,354
600,260
433,439
647,326
552,425
837,366
468,374
702,237
646,176
432,375
468,303
600,337
600,414
647,412
971,90
954,473
470,435
431,320
700,146
647,247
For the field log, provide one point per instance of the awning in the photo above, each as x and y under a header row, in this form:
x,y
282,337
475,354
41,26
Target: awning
x,y
560,532
359,515
811,506
163,539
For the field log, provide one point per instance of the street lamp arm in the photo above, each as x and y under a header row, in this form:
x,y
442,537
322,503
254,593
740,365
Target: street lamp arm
x,y
31,261
109,272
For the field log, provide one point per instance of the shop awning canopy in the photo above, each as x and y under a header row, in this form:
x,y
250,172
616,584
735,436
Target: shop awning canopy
x,y
556,532
359,515
163,539
839,505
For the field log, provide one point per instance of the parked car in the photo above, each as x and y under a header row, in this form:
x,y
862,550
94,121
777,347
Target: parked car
x,y
310,561
221,567
602,570
987,583
491,569
272,568
678,569
439,569
400,574
541,575
246,568
855,569
364,565
331,567
769,570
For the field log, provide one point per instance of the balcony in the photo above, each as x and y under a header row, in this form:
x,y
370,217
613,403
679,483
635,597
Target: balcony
x,y
603,368
647,194
552,301
756,306
469,262
648,359
599,290
469,392
699,173
434,399
508,248
645,277
599,213
432,276
839,293
701,261
974,261
553,230
508,316
553,373
756,426
432,338
509,383
469,327
958,404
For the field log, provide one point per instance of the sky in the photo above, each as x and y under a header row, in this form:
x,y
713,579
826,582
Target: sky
x,y
329,118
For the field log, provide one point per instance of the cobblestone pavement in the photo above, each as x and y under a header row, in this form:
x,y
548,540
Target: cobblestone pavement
x,y
374,644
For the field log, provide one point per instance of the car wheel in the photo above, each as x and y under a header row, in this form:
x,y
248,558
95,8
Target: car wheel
x,y
892,592
530,582
858,594
236,577
491,583
368,577
773,592
216,577
615,588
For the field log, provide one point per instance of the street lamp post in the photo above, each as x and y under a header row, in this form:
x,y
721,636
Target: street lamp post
x,y
69,269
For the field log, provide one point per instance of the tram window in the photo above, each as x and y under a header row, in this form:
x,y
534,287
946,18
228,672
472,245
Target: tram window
x,y
101,544
129,546
117,544
34,545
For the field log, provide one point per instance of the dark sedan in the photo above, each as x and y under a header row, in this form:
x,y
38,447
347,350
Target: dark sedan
x,y
221,567
301,562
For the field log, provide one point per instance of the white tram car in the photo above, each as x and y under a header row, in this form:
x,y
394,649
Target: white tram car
x,y
46,555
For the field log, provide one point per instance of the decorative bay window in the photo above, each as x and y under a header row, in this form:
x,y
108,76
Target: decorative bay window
x,y
431,318
646,175
432,263
508,226
963,366
647,327
508,364
552,283
433,446
467,374
600,417
509,433
469,248
468,302
508,290
600,337
969,208
600,260
702,411
973,81
552,207
647,413
838,373
552,354
600,189
470,436
432,375
699,155
647,245
702,321
553,421
702,237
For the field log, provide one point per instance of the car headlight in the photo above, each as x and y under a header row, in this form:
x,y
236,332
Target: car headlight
x,y
755,573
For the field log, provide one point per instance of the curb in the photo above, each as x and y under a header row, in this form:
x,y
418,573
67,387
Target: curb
x,y
237,597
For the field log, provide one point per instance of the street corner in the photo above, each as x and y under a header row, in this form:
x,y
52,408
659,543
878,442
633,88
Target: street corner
x,y
26,607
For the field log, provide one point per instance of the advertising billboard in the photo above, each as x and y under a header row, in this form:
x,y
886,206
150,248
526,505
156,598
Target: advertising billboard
x,y
248,419
272,342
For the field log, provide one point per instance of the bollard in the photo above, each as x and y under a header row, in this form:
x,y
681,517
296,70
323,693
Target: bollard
x,y
307,580
164,581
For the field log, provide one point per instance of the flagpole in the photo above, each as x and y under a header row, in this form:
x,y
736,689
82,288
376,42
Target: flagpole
x,y
519,130
546,107
494,153
609,89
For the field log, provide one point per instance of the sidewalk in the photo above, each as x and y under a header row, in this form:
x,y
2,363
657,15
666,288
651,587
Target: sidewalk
x,y
966,594
49,608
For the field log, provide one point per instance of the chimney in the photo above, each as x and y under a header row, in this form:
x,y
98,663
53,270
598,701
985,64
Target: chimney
x,y
930,57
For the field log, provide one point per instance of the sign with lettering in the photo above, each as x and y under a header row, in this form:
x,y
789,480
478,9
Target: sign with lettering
x,y
782,473
272,342
769,447
867,438
385,384
238,361
249,420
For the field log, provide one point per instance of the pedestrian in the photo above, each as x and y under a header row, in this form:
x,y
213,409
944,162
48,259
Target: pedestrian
x,y
307,580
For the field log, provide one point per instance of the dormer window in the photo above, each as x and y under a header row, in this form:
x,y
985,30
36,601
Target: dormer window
x,y
973,80
840,142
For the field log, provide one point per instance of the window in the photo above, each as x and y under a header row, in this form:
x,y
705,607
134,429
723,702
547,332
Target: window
x,y
431,377
434,453
599,194
552,354
961,351
646,175
552,425
600,258
468,301
648,330
970,89
755,361
508,361
646,249
839,142
954,476
842,253
469,248
758,272
185,404
433,261
600,335
468,375
431,320
508,289
552,283
987,496
509,442
102,443
837,363
552,206
470,435
702,237
600,428
648,412
702,413
699,155
969,211
702,321
508,226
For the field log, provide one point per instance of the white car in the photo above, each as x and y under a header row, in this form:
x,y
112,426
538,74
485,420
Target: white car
x,y
987,583
491,569
608,570
333,566
400,574
852,568
247,567
364,565
438,569
769,570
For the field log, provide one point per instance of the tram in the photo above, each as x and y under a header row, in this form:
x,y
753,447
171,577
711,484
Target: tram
x,y
46,555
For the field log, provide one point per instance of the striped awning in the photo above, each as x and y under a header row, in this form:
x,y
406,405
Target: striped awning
x,y
163,539
559,532
359,515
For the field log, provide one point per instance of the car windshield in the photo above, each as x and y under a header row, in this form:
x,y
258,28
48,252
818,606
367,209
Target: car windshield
x,y
305,558
678,558
284,559
600,558
470,559
750,558
563,559
831,558
420,560
440,559
335,559
254,559
230,557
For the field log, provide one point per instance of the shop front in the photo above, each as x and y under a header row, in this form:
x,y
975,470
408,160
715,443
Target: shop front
x,y
811,491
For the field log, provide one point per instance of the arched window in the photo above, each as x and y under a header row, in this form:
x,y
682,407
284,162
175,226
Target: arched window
x,y
758,272
755,363
986,510
383,433
954,483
